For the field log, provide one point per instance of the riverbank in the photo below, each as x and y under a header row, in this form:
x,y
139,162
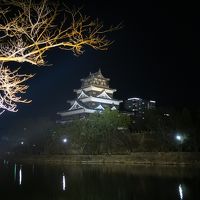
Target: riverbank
x,y
144,158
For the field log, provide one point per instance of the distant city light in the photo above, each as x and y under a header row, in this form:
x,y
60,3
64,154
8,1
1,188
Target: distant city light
x,y
64,140
21,142
180,140
179,137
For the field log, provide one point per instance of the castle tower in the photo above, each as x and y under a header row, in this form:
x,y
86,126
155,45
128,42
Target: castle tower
x,y
93,96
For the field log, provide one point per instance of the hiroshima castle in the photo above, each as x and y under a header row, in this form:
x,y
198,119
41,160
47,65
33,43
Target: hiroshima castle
x,y
94,96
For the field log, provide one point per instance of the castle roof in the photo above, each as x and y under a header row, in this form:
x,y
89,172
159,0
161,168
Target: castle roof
x,y
95,75
93,96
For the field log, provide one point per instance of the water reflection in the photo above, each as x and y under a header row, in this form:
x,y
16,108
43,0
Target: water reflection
x,y
48,182
20,175
63,182
5,162
15,172
33,169
180,191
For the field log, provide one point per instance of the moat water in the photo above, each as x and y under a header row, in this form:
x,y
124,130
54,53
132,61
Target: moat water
x,y
97,182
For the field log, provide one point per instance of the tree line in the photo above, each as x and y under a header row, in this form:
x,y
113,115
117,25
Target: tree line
x,y
112,132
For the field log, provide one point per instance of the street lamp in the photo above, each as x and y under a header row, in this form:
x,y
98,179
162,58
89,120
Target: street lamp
x,y
180,138
64,140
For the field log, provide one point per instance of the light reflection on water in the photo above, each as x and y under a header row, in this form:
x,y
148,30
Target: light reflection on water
x,y
15,172
48,182
63,182
20,175
180,191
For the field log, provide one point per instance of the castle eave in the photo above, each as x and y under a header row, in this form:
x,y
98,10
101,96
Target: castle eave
x,y
101,100
94,88
75,112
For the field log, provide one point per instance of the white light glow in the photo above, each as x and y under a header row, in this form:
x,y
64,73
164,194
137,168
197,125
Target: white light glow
x,y
20,176
178,137
22,142
63,182
180,191
65,140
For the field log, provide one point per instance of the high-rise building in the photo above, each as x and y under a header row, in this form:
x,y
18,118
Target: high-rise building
x,y
93,96
138,106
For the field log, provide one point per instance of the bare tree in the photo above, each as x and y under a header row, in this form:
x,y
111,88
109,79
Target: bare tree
x,y
36,29
11,86
29,29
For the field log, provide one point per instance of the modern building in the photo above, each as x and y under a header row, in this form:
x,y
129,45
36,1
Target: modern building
x,y
93,96
138,106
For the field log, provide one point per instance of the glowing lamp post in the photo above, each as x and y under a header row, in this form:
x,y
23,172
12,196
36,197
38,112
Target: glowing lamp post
x,y
64,140
180,138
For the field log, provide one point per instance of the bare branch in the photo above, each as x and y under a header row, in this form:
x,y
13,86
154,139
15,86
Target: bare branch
x,y
11,86
29,29
35,29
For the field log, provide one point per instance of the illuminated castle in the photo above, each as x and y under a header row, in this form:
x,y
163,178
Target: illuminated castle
x,y
93,96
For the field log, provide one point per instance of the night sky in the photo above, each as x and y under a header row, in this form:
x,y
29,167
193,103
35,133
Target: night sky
x,y
155,56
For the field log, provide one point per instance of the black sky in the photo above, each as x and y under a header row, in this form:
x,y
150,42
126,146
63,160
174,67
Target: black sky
x,y
154,56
